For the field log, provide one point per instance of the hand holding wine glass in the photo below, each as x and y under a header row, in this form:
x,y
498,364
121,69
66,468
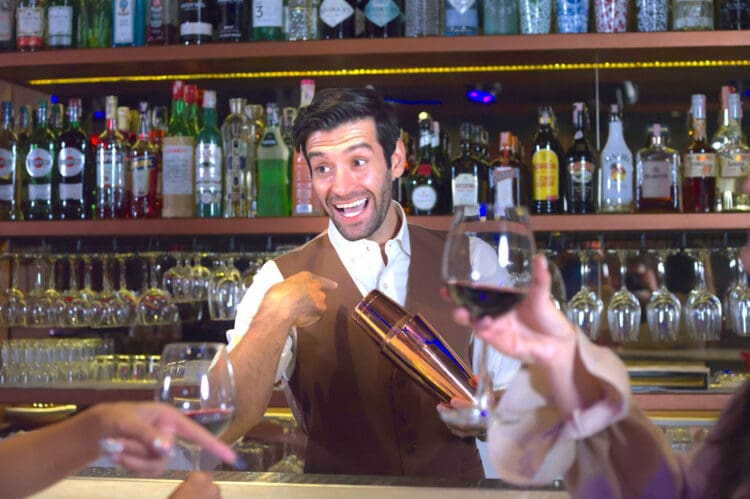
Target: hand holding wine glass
x,y
197,379
487,271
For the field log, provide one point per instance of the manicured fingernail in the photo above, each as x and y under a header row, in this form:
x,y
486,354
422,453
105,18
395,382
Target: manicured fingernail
x,y
162,446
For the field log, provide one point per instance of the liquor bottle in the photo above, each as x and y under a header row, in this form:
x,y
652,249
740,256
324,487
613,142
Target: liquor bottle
x,y
461,18
719,138
123,126
10,175
657,175
580,168
123,23
110,159
178,156
268,20
304,200
7,23
30,25
424,185
195,22
337,19
734,14
144,165
384,18
24,127
546,168
734,163
505,176
500,17
191,97
238,142
55,119
273,168
73,162
422,18
208,162
699,170
94,26
301,20
692,15
288,115
233,21
156,139
61,19
616,171
40,165
161,22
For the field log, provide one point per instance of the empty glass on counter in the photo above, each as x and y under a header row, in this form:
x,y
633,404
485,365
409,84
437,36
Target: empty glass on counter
x,y
623,309
663,308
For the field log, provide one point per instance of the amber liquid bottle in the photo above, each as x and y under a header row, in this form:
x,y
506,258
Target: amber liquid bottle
x,y
546,168
657,175
699,173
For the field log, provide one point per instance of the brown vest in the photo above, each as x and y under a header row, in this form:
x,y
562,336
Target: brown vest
x,y
363,415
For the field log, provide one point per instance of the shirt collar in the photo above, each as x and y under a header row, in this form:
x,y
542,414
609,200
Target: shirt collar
x,y
402,236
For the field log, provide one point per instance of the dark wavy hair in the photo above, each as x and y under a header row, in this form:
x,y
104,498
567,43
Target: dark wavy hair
x,y
333,107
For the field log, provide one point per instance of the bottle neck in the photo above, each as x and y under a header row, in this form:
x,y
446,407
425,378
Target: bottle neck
x,y
209,117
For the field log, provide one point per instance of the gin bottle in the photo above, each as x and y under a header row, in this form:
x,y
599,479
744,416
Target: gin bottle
x,y
616,169
734,163
239,142
10,175
40,166
657,175
208,162
337,19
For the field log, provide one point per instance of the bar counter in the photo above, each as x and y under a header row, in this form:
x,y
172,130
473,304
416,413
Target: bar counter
x,y
100,482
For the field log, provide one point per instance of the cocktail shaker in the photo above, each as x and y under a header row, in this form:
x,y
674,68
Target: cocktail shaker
x,y
415,346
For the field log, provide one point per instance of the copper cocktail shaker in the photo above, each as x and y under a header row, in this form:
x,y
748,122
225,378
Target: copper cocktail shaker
x,y
414,345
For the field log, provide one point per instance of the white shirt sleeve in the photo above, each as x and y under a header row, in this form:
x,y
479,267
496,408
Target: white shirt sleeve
x,y
268,275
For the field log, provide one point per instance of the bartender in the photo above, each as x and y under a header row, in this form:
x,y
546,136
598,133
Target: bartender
x,y
361,413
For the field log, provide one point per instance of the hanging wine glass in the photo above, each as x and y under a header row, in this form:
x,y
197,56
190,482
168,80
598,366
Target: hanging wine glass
x,y
41,311
111,310
127,296
486,269
225,290
15,308
663,308
623,309
155,306
702,308
178,282
585,307
201,276
77,312
51,291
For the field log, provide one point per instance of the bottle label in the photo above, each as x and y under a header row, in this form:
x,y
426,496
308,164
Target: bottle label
x,y
381,12
123,31
6,20
141,170
424,197
40,192
71,191
656,183
735,165
6,192
156,14
269,140
463,14
177,165
700,165
544,164
6,163
192,29
268,14
465,190
29,26
692,14
503,178
208,173
110,171
617,176
38,163
70,162
334,12
60,25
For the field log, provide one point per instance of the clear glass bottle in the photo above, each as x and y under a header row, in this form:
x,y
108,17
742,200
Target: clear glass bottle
x,y
10,175
616,169
40,167
657,175
424,185
580,167
734,163
161,22
699,163
233,21
61,20
273,168
720,138
506,176
73,162
461,18
7,25
267,20
110,158
384,18
301,20
733,14
337,19
467,172
208,162
239,142
178,157
500,17
195,22
144,162
30,25
423,18
692,15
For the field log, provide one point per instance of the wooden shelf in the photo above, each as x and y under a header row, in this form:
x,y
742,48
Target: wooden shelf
x,y
313,225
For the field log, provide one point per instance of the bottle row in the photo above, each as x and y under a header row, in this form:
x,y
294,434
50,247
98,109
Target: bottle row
x,y
28,25
707,176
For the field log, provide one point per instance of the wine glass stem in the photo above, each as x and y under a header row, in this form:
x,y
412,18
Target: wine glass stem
x,y
195,455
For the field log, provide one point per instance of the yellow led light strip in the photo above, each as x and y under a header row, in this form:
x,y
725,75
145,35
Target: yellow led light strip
x,y
320,73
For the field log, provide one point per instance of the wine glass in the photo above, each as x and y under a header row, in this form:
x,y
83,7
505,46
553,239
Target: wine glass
x,y
41,309
487,269
702,308
111,310
225,290
128,297
585,307
623,309
663,308
14,301
197,379
155,306
77,312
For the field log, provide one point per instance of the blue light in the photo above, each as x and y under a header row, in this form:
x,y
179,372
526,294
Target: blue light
x,y
98,115
480,96
53,99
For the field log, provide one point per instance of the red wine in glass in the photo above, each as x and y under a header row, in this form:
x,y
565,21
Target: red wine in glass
x,y
482,300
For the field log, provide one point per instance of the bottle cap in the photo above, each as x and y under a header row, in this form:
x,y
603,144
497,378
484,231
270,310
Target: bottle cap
x,y
209,99
177,90
110,107
735,106
698,106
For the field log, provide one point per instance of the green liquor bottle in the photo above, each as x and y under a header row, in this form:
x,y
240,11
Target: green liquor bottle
x,y
40,166
273,168
9,172
208,164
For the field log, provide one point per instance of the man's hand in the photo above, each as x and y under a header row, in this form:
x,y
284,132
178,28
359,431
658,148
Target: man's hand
x,y
301,298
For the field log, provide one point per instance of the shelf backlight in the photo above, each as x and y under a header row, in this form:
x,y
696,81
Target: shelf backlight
x,y
323,73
